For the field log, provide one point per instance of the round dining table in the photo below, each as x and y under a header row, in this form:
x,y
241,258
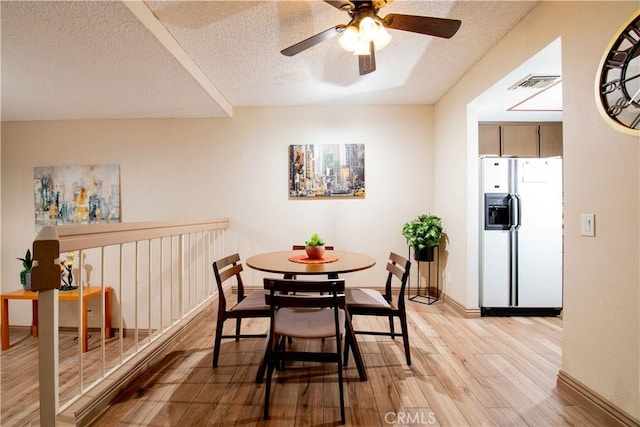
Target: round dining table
x,y
295,263
292,263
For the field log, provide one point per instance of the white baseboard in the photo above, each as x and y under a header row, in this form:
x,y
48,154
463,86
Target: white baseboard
x,y
464,311
610,413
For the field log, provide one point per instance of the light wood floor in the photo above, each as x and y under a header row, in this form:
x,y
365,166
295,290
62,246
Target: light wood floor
x,y
19,405
465,372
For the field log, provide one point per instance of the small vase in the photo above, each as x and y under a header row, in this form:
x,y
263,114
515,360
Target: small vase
x,y
314,252
25,279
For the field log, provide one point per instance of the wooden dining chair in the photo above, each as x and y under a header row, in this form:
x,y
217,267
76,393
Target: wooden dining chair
x,y
305,317
248,305
370,302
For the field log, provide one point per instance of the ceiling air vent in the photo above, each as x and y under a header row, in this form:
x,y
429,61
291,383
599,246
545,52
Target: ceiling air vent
x,y
535,82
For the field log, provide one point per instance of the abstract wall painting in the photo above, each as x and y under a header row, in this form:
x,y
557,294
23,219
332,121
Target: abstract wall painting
x,y
76,194
326,171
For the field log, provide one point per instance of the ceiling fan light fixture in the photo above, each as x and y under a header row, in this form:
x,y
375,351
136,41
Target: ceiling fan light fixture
x,y
349,38
362,48
382,38
368,29
356,38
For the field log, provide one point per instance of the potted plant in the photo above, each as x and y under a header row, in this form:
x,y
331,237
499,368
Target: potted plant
x,y
25,274
423,234
314,247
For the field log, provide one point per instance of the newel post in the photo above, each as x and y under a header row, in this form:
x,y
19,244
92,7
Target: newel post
x,y
45,278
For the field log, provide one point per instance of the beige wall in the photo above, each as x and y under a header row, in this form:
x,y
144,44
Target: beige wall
x,y
601,346
399,178
192,169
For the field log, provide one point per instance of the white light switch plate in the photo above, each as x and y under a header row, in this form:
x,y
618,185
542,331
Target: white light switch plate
x,y
587,225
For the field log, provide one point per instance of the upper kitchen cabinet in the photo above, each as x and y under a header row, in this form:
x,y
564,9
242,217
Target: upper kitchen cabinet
x,y
520,139
551,140
489,140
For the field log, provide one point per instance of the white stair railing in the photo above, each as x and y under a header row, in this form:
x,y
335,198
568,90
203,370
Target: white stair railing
x,y
157,275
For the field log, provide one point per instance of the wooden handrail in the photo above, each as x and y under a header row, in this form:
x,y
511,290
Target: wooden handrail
x,y
78,237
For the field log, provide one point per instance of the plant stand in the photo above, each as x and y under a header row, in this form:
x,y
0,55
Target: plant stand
x,y
424,295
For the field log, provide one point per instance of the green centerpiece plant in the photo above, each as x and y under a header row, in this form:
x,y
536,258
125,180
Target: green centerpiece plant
x,y
423,233
314,247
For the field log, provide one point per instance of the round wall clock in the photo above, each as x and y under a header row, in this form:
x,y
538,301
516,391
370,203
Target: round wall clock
x,y
618,80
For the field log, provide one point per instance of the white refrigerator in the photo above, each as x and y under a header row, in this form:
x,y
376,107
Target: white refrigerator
x,y
521,237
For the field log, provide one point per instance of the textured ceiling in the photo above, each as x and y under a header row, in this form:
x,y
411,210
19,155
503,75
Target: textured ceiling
x,y
109,59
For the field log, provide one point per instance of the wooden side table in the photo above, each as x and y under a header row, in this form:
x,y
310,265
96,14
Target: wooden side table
x,y
87,293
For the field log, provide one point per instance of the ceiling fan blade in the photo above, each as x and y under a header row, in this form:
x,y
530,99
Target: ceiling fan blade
x,y
367,63
312,41
342,5
439,27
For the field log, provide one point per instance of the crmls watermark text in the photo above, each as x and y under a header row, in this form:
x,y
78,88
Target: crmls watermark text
x,y
411,418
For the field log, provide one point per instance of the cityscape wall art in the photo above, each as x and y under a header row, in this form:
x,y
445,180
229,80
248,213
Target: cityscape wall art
x,y
76,194
326,171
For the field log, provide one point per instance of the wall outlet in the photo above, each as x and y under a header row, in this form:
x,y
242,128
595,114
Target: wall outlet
x,y
447,278
90,312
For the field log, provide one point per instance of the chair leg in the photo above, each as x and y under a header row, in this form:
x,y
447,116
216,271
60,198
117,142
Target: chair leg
x,y
356,352
347,343
340,385
263,367
267,391
282,344
238,322
392,328
405,337
217,341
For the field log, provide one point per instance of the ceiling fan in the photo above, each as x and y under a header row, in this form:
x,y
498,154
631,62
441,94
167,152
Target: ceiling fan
x,y
365,33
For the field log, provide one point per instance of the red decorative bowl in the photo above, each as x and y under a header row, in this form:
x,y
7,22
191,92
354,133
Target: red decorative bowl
x,y
314,252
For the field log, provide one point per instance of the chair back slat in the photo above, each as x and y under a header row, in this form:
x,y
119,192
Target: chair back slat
x,y
302,301
230,272
395,270
316,286
228,260
302,247
397,259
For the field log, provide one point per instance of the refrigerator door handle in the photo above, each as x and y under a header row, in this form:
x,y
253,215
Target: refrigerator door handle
x,y
517,222
510,207
518,211
511,267
515,273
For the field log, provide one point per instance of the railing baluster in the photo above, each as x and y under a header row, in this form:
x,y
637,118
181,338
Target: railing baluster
x,y
81,322
103,322
135,299
149,269
161,285
120,314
